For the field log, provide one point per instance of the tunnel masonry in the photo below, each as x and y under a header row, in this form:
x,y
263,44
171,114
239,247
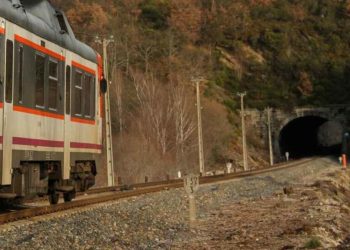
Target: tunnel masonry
x,y
282,120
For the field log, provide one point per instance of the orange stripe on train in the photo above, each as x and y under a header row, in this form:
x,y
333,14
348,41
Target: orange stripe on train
x,y
38,112
83,67
39,48
85,121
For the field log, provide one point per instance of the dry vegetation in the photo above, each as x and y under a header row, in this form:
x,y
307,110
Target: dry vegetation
x,y
153,98
283,53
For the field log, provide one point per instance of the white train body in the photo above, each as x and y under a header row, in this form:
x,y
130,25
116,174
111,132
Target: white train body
x,y
50,106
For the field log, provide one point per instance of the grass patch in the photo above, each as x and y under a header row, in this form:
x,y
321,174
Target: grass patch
x,y
313,243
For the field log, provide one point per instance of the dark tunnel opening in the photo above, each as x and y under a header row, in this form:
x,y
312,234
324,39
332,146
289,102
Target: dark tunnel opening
x,y
310,136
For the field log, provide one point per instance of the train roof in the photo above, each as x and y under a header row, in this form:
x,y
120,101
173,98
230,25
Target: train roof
x,y
44,20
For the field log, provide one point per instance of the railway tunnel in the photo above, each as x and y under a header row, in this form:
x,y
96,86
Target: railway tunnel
x,y
310,136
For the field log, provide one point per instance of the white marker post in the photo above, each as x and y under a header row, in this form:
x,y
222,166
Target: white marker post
x,y
191,184
229,166
287,156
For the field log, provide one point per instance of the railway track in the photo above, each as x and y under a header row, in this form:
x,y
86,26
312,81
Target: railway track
x,y
135,190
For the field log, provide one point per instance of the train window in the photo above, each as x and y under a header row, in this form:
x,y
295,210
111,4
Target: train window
x,y
53,82
9,70
78,89
40,80
68,90
20,75
87,88
61,22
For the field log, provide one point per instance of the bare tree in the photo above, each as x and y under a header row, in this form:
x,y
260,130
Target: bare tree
x,y
170,52
125,48
117,79
146,51
184,121
156,110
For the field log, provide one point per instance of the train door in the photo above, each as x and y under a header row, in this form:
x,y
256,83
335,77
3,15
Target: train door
x,y
67,117
7,104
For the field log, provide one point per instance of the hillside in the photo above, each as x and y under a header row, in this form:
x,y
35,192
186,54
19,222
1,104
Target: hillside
x,y
284,53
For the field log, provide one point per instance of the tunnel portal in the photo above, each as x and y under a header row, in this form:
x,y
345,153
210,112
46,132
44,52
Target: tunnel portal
x,y
309,136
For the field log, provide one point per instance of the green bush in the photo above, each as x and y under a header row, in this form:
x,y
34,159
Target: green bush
x,y
313,243
155,14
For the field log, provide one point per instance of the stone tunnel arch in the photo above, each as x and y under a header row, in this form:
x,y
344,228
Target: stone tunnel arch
x,y
309,135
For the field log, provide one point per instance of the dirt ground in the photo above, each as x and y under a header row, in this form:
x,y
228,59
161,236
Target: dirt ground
x,y
302,216
303,207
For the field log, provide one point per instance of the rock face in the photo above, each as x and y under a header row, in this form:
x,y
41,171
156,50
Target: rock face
x,y
250,213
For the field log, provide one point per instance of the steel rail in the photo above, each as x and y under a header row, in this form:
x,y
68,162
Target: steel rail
x,y
138,189
157,183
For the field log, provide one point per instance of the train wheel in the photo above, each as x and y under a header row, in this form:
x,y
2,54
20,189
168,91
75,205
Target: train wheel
x,y
68,196
53,198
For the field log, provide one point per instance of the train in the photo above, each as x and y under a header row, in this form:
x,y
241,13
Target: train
x,y
51,98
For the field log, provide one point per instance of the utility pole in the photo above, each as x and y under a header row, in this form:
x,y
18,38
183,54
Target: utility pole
x,y
197,81
270,134
109,143
244,141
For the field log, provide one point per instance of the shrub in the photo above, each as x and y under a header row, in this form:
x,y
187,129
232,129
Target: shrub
x,y
313,243
155,14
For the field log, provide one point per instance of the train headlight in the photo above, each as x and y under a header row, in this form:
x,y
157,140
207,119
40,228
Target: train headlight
x,y
103,86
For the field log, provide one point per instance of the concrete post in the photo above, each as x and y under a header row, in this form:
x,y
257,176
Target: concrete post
x,y
191,184
270,135
197,81
244,141
192,207
109,141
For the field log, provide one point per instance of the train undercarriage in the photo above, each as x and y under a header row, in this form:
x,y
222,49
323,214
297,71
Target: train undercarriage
x,y
43,178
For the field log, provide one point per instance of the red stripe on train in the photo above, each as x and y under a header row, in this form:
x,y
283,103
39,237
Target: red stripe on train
x,y
37,142
52,144
39,48
85,145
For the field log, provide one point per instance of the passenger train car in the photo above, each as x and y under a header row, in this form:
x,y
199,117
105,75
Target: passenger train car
x,y
50,111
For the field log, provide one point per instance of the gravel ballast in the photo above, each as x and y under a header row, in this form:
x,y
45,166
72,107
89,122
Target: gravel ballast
x,y
153,221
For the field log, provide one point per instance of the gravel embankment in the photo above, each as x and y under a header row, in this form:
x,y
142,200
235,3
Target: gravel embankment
x,y
152,221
